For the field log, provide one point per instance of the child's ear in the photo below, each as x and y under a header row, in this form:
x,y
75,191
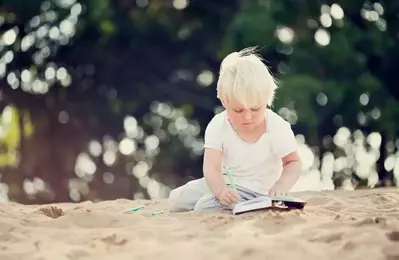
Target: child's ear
x,y
224,103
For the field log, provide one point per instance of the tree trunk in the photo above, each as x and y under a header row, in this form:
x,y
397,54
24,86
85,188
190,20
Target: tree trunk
x,y
384,178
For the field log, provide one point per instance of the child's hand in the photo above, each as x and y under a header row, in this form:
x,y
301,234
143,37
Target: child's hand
x,y
228,196
289,176
278,190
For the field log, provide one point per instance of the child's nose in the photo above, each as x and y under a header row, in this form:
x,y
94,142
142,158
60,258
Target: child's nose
x,y
248,115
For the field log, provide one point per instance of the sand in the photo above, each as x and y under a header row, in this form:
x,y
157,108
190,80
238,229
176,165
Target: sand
x,y
334,225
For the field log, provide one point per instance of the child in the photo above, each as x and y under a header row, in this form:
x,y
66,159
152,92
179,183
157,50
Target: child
x,y
253,142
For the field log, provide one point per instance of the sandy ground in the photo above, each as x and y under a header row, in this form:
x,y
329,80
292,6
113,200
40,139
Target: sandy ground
x,y
334,225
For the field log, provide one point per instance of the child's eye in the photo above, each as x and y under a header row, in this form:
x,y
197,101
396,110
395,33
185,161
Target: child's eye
x,y
238,110
255,109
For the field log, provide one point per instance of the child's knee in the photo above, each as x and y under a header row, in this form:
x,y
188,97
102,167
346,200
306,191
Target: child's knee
x,y
174,199
207,202
185,197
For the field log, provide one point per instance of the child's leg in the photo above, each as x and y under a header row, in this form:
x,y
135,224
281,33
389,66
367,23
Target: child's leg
x,y
247,194
185,197
208,202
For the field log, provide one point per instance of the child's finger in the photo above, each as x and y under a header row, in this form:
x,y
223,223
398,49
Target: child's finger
x,y
225,197
229,198
223,201
233,196
236,197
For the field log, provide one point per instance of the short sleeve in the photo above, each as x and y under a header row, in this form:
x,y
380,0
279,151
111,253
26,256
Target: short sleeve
x,y
283,138
213,134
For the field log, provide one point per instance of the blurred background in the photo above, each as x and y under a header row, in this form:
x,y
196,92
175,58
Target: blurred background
x,y
106,99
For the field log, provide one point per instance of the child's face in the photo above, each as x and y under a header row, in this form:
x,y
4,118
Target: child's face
x,y
245,118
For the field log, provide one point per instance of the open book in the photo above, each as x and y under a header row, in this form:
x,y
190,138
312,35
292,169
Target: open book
x,y
264,202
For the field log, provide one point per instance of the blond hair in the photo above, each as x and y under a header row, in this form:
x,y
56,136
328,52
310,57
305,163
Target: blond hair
x,y
244,78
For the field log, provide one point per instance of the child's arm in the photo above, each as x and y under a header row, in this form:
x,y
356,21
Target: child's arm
x,y
212,167
212,172
289,176
285,147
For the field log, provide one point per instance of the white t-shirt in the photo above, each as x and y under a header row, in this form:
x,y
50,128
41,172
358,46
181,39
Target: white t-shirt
x,y
255,166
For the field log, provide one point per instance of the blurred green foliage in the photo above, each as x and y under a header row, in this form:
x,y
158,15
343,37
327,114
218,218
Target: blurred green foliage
x,y
75,73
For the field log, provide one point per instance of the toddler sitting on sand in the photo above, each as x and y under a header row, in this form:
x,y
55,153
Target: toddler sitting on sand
x,y
253,142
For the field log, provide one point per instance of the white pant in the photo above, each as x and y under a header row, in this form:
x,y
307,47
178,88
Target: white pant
x,y
196,195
